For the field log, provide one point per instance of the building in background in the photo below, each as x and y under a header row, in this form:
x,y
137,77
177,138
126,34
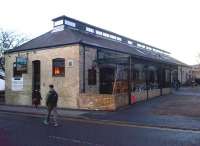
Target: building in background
x,y
185,75
196,73
91,68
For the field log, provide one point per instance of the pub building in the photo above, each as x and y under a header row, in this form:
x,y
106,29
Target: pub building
x,y
90,68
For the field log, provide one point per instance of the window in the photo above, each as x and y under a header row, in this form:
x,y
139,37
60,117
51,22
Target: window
x,y
89,29
130,42
105,34
58,68
70,23
59,22
119,39
91,77
99,32
15,72
141,45
113,37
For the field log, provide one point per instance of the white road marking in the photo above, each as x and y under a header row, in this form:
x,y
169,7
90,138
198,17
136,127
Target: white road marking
x,y
74,140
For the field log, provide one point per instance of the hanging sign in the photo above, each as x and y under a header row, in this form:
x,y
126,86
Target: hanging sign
x,y
21,64
17,84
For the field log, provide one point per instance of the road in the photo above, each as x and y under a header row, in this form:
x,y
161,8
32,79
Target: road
x,y
27,130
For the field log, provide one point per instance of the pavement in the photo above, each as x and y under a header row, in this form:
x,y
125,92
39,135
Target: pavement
x,y
172,120
175,111
26,130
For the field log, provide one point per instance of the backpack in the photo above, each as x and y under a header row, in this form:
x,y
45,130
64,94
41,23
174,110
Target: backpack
x,y
53,97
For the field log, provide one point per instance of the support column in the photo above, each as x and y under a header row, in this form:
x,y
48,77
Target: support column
x,y
181,75
129,79
161,79
170,76
147,80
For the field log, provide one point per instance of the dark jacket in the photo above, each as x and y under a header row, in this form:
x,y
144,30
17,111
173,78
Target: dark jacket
x,y
52,99
36,97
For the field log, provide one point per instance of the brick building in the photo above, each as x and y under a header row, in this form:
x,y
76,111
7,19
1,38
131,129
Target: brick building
x,y
91,68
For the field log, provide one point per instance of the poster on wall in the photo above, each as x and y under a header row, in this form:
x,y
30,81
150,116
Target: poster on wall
x,y
17,84
21,64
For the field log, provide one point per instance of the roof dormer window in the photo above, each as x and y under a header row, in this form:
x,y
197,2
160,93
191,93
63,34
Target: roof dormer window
x,y
70,23
113,37
59,22
119,39
89,29
105,34
130,42
99,32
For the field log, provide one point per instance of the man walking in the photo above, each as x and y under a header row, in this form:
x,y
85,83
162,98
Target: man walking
x,y
51,103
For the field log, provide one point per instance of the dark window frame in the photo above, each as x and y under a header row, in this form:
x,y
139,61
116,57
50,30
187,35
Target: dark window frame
x,y
58,63
15,72
92,77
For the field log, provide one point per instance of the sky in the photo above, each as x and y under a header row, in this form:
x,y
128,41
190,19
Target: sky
x,y
171,25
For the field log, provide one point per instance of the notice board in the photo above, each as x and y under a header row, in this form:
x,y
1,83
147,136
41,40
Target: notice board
x,y
17,84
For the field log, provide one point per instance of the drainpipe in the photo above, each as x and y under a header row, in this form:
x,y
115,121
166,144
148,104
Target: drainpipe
x,y
83,68
181,75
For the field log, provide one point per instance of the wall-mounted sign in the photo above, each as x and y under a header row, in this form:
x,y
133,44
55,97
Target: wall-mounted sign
x,y
21,64
17,84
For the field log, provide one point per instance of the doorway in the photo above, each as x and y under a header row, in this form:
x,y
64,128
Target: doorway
x,y
106,80
36,76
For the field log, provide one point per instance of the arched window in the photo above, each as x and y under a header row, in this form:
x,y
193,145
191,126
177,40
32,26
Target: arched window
x,y
58,67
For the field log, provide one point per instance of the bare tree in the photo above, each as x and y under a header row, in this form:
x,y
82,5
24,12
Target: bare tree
x,y
198,58
9,40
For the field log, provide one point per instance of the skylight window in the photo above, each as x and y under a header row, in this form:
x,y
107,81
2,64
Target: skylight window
x,y
149,48
113,37
89,29
105,34
130,42
119,39
70,23
59,22
140,45
99,32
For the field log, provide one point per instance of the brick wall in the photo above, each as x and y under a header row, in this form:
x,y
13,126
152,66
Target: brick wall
x,y
67,86
97,101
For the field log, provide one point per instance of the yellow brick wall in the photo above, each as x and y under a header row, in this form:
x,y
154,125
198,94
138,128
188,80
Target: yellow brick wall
x,y
67,87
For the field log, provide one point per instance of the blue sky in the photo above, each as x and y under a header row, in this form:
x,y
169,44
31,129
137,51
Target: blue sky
x,y
171,25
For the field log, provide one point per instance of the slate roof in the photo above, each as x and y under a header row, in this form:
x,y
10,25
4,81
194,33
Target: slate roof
x,y
73,36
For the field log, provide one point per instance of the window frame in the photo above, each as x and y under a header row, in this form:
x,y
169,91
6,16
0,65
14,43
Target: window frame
x,y
63,67
16,74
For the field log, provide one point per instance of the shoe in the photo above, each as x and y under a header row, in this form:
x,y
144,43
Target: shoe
x,y
45,122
